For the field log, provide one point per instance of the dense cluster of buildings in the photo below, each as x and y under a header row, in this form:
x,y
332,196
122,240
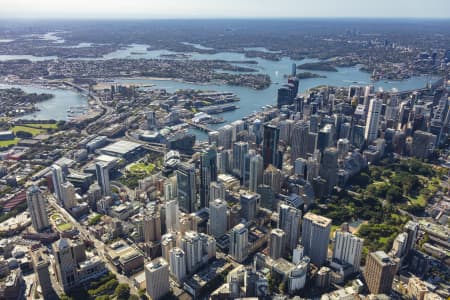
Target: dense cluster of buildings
x,y
231,218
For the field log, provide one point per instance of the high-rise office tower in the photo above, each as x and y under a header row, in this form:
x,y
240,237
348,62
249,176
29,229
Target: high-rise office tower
x,y
240,151
348,249
289,219
257,130
312,142
66,264
412,230
325,137
285,95
168,241
199,248
152,225
37,209
329,167
238,126
40,266
315,237
286,127
268,199
192,247
256,172
373,120
225,136
172,216
249,205
213,138
169,191
208,174
217,191
68,195
379,272
277,243
423,144
299,147
300,167
57,180
187,192
151,120
177,263
102,171
272,177
239,242
217,223
343,146
270,146
157,278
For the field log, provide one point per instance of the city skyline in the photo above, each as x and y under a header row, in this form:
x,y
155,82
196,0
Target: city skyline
x,y
176,9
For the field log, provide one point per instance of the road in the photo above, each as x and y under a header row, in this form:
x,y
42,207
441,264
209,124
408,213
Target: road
x,y
99,245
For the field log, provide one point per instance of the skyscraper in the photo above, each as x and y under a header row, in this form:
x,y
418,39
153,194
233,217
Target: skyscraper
x,y
240,151
102,171
239,242
66,264
177,263
249,204
289,219
40,266
37,209
373,120
315,237
172,216
152,225
208,174
348,249
68,195
187,192
379,272
225,136
329,167
277,243
57,180
270,146
217,191
256,172
412,230
272,177
217,222
299,147
157,278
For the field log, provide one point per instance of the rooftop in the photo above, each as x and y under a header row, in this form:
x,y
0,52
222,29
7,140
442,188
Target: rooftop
x,y
320,220
121,147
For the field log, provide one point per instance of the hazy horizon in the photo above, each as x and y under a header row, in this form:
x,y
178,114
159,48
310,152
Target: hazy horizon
x,y
230,9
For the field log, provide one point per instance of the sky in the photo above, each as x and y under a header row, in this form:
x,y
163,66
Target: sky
x,y
127,9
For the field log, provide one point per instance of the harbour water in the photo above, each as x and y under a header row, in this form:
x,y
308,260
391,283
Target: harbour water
x,y
250,100
54,108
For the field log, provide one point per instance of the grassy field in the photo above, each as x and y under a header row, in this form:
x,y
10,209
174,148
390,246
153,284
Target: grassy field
x,y
9,142
43,126
64,226
141,168
31,130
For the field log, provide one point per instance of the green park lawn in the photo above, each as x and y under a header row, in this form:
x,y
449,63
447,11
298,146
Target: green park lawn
x,y
141,168
33,131
9,142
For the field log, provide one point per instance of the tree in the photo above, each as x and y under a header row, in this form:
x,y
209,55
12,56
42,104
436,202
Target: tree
x,y
394,194
122,291
104,297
